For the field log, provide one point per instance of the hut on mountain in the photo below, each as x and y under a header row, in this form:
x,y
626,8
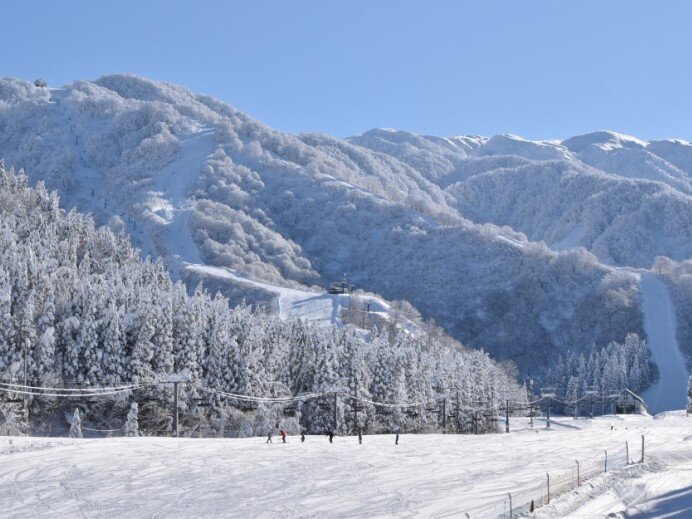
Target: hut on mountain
x,y
628,402
340,287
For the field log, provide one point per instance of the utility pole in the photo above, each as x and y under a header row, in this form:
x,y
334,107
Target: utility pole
x,y
26,357
26,389
175,407
355,408
531,414
336,417
176,379
458,413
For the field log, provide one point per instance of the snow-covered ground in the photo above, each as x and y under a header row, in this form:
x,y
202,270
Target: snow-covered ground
x,y
670,392
423,476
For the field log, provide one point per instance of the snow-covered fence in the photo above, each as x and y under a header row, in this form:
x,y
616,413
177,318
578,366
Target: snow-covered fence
x,y
553,484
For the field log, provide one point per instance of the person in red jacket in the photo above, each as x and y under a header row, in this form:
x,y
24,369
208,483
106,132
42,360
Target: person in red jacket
x,y
283,435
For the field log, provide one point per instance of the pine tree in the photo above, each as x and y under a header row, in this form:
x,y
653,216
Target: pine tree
x,y
112,368
143,348
132,423
7,330
84,356
44,356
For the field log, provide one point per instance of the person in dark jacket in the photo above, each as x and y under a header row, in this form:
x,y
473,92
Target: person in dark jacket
x,y
360,437
331,436
302,437
283,435
269,437
396,440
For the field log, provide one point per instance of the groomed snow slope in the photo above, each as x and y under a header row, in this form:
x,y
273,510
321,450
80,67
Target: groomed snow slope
x,y
424,476
670,392
319,307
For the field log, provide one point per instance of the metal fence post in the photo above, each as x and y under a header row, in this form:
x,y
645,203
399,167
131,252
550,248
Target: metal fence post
x,y
547,476
627,453
642,460
578,479
511,512
605,463
507,416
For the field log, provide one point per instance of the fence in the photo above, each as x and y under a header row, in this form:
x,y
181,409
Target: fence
x,y
554,484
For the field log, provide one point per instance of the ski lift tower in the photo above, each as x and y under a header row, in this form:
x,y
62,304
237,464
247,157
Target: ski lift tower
x,y
548,393
340,287
175,379
592,394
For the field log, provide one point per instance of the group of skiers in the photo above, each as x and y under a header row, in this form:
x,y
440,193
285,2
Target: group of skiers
x,y
329,434
282,433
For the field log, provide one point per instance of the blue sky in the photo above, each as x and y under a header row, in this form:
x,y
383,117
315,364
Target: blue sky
x,y
540,69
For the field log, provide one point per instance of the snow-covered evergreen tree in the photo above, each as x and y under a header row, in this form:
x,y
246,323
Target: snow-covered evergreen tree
x,y
76,425
132,421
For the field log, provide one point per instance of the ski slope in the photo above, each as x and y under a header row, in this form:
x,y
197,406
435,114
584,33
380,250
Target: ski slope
x,y
169,200
423,476
318,307
670,391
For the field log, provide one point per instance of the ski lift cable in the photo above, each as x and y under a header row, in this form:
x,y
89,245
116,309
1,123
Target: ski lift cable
x,y
61,394
102,430
70,390
383,404
253,398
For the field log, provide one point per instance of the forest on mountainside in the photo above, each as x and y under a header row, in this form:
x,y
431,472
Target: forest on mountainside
x,y
80,309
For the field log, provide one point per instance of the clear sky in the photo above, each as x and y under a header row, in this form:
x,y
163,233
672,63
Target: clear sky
x,y
540,69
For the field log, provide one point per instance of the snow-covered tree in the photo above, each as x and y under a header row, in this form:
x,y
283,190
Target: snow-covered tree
x,y
132,423
76,425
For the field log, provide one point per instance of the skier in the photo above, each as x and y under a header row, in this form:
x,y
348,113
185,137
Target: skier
x,y
360,437
396,441
283,435
331,436
269,437
302,437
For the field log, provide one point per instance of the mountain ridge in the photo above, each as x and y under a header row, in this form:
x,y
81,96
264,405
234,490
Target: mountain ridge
x,y
300,210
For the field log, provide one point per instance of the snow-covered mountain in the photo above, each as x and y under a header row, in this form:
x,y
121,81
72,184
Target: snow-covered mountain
x,y
439,222
623,199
